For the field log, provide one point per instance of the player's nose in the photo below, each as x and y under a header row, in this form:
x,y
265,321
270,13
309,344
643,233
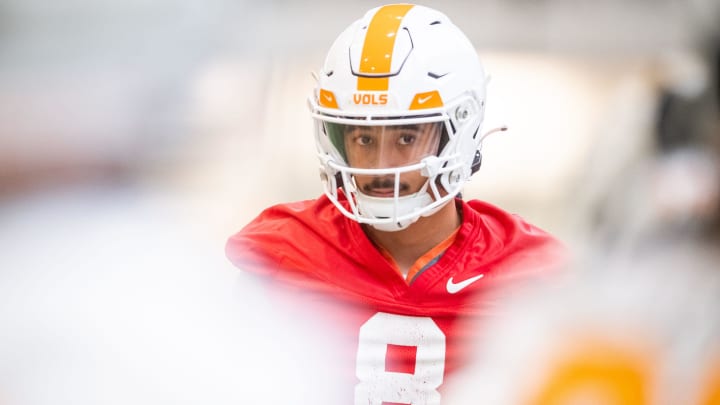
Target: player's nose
x,y
388,156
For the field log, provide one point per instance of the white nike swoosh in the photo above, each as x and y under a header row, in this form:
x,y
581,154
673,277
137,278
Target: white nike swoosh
x,y
453,287
424,99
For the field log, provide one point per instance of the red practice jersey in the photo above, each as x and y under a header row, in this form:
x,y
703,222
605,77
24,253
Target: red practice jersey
x,y
400,340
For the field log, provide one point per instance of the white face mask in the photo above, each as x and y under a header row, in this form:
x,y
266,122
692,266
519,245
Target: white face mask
x,y
388,172
382,190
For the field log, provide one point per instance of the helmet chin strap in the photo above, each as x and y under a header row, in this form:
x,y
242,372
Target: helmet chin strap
x,y
385,208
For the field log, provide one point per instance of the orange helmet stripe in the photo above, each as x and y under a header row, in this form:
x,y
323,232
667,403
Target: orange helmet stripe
x,y
377,50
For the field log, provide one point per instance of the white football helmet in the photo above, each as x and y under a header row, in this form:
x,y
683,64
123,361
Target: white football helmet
x,y
400,66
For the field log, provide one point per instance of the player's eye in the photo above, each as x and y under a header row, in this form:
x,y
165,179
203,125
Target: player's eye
x,y
407,139
363,140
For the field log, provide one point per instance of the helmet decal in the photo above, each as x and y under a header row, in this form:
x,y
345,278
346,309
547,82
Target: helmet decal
x,y
377,51
327,99
430,99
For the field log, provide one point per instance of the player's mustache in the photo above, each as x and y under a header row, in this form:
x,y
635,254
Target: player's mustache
x,y
383,183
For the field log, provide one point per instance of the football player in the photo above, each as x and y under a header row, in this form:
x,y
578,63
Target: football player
x,y
391,257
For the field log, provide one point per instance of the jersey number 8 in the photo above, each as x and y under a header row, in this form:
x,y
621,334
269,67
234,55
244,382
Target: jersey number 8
x,y
416,385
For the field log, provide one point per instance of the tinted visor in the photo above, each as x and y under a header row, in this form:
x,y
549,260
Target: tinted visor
x,y
387,146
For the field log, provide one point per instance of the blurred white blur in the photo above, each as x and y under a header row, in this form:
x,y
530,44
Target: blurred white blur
x,y
135,137
625,334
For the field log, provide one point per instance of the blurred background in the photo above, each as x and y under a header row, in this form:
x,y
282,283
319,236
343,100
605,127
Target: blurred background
x,y
136,136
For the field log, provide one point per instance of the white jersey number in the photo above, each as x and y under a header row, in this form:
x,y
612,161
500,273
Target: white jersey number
x,y
377,384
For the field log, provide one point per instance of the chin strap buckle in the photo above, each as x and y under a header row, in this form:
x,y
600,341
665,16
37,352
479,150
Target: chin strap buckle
x,y
432,166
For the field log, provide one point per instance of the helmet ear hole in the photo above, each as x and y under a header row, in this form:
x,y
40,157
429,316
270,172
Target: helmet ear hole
x,y
477,161
338,179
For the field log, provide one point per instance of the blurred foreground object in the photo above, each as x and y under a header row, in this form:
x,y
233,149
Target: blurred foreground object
x,y
617,336
118,296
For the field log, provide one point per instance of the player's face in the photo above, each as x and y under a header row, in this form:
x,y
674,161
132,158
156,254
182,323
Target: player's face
x,y
383,147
